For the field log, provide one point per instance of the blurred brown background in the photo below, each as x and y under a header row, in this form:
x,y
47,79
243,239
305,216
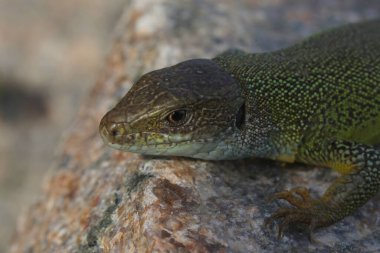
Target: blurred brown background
x,y
50,55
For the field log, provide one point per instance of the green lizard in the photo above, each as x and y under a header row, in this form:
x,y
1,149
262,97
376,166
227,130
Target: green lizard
x,y
317,102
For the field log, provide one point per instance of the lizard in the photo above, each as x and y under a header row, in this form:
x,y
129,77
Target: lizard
x,y
316,102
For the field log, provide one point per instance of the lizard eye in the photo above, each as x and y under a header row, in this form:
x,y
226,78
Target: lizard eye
x,y
177,117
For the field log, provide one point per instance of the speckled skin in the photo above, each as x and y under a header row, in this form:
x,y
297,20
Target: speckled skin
x,y
316,102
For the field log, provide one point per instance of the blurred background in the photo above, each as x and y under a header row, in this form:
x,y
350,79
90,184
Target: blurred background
x,y
50,54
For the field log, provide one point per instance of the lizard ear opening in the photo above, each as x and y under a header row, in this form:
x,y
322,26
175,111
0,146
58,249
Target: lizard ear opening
x,y
240,117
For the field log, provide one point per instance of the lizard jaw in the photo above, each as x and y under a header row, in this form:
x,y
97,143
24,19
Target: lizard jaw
x,y
166,144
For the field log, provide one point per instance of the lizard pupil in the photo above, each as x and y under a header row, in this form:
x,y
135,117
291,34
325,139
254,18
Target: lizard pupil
x,y
177,117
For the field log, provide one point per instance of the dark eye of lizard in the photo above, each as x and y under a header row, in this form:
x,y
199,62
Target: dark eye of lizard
x,y
177,117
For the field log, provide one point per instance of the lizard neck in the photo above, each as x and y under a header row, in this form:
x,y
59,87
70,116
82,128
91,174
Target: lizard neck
x,y
262,135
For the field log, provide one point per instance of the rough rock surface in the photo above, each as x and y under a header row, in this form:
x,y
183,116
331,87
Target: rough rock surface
x,y
101,200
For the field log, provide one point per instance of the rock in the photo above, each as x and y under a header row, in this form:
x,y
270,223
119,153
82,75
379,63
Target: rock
x,y
101,200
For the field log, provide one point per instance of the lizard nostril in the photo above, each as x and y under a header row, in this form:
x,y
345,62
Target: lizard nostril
x,y
114,132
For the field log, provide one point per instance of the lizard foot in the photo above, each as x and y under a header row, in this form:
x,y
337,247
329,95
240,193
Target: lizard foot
x,y
305,210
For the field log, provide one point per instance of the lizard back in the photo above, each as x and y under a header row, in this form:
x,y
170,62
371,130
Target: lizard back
x,y
327,86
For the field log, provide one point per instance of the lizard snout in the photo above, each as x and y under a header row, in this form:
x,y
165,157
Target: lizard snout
x,y
112,132
112,129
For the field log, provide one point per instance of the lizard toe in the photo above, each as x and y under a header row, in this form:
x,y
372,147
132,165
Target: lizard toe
x,y
298,197
305,212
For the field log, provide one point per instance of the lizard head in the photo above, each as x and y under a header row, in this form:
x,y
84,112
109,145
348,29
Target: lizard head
x,y
189,109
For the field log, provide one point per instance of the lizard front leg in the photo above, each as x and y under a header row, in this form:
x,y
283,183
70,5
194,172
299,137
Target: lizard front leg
x,y
360,180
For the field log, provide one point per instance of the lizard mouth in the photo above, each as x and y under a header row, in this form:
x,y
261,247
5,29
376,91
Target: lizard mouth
x,y
117,134
151,143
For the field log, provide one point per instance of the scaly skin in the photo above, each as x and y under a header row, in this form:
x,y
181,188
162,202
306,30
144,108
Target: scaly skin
x,y
317,102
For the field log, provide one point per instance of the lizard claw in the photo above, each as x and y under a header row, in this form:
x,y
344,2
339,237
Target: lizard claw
x,y
298,197
305,211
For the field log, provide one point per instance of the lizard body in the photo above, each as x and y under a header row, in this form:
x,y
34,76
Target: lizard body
x,y
316,102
